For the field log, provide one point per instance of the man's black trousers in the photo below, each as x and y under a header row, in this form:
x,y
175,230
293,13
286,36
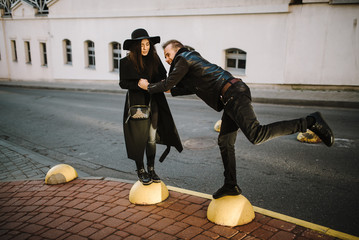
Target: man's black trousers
x,y
238,113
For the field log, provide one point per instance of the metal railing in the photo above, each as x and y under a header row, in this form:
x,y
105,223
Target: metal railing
x,y
40,5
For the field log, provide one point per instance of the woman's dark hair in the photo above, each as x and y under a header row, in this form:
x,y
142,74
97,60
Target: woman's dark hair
x,y
137,59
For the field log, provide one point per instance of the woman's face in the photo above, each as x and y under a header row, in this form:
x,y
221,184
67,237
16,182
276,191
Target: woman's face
x,y
145,47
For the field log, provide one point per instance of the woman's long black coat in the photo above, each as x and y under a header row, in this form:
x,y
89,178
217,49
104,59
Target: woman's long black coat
x,y
136,131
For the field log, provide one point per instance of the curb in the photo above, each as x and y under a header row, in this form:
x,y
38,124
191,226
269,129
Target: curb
x,y
265,100
303,102
79,89
313,226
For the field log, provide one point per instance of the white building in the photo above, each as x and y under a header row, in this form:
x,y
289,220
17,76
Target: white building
x,y
290,42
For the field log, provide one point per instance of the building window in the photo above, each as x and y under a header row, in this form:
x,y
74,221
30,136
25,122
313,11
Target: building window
x,y
67,51
236,61
13,50
116,56
27,52
43,53
90,54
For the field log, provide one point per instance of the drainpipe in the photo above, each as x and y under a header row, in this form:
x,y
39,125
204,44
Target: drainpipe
x,y
6,50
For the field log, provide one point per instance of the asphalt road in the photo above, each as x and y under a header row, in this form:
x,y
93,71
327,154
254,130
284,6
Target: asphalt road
x,y
308,181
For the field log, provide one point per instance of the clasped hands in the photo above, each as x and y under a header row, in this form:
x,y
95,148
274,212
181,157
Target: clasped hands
x,y
143,83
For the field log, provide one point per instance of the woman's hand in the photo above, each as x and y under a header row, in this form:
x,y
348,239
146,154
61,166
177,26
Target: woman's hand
x,y
143,83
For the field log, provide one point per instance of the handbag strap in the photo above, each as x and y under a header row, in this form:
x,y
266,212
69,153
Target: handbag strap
x,y
129,105
128,100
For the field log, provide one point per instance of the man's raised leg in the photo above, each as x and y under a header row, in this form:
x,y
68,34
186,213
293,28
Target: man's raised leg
x,y
240,110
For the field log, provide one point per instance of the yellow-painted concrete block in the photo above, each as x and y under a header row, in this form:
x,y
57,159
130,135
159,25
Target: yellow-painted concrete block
x,y
230,211
217,126
148,194
60,173
308,137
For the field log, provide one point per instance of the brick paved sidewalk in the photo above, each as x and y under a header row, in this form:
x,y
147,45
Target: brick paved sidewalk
x,y
100,209
16,165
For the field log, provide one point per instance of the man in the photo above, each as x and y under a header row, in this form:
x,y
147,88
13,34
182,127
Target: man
x,y
191,74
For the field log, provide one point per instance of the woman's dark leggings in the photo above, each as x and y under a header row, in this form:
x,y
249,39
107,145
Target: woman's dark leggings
x,y
151,143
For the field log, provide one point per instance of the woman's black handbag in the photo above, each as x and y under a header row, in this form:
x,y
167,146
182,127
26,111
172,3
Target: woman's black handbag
x,y
138,112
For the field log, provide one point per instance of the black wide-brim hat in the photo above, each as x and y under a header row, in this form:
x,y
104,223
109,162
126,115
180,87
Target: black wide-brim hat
x,y
137,35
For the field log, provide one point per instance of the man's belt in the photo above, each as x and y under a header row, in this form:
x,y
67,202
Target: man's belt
x,y
228,84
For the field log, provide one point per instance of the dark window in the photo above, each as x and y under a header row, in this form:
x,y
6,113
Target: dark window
x,y
68,52
27,52
116,56
231,62
241,63
236,61
13,50
43,52
91,54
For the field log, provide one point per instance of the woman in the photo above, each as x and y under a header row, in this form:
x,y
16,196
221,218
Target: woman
x,y
142,135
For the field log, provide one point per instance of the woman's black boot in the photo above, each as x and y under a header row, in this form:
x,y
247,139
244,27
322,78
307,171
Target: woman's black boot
x,y
144,177
151,172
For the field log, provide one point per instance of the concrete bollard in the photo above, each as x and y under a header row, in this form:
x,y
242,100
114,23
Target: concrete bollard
x,y
230,211
217,126
308,137
148,194
60,173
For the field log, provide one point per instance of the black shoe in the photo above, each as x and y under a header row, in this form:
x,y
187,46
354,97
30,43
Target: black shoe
x,y
144,177
321,128
152,174
226,190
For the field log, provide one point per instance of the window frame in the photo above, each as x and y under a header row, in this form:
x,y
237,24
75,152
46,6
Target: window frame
x,y
115,48
13,50
240,59
43,54
27,49
67,51
90,54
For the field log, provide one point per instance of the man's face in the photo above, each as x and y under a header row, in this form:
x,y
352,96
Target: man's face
x,y
170,53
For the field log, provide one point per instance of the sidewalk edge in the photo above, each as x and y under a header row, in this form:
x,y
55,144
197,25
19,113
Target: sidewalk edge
x,y
280,216
306,224
264,100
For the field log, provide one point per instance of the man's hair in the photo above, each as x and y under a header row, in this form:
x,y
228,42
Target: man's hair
x,y
175,44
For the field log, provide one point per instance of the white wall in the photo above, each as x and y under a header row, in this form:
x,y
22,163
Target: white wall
x,y
34,31
323,45
314,43
78,32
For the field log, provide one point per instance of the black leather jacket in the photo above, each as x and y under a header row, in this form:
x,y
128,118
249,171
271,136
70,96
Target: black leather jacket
x,y
192,74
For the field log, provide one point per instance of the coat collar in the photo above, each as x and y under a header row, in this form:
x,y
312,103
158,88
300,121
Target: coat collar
x,y
181,50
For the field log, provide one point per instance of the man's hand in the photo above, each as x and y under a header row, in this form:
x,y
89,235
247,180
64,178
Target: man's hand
x,y
143,83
